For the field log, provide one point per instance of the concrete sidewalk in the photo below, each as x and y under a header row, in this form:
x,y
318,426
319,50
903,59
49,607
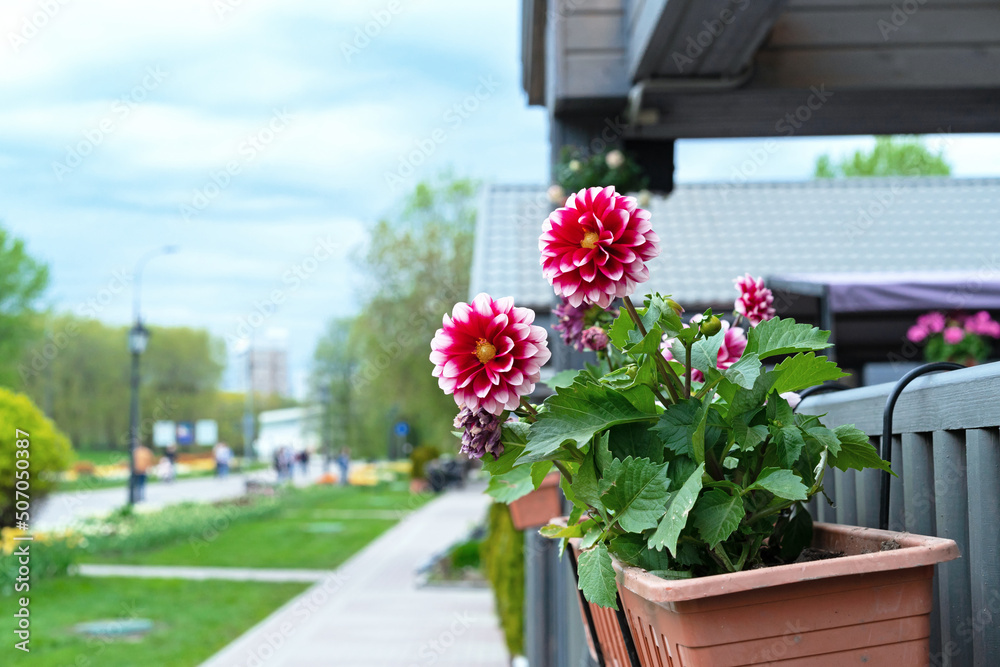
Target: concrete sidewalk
x,y
370,613
63,510
202,573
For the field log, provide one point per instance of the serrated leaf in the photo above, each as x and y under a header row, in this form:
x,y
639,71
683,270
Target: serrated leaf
x,y
782,483
597,577
676,426
678,508
585,487
825,437
574,415
510,486
698,436
514,437
705,353
742,401
784,336
650,343
855,451
805,370
555,531
602,453
748,437
563,378
591,536
539,471
744,372
619,331
788,442
717,514
637,494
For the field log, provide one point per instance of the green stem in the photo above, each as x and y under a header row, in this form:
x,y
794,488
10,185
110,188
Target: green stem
x,y
687,376
563,470
527,406
668,373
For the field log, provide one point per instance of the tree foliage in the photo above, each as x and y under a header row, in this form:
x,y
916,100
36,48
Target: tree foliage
x,y
80,373
23,281
891,156
417,266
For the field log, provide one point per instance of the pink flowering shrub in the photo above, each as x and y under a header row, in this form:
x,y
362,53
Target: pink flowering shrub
x,y
955,336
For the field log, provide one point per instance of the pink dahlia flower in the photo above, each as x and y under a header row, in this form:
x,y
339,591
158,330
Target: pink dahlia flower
x,y
953,335
754,301
595,248
488,354
734,342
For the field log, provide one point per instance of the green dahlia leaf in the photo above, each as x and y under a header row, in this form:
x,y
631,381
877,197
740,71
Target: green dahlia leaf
x,y
678,507
805,370
782,483
717,514
574,415
637,494
597,576
784,336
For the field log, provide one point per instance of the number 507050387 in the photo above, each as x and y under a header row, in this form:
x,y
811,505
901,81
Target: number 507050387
x,y
22,452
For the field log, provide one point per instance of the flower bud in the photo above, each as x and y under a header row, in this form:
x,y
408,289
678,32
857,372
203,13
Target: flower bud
x,y
676,307
595,338
710,326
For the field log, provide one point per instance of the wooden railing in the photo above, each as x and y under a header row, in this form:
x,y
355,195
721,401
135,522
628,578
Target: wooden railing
x,y
946,453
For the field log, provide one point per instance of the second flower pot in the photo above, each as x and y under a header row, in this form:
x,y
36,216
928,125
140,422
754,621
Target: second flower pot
x,y
538,507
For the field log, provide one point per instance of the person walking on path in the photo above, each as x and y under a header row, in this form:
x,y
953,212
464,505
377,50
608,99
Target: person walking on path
x,y
143,462
344,463
223,455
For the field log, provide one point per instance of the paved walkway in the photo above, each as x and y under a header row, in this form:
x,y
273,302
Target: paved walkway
x,y
369,613
203,573
62,510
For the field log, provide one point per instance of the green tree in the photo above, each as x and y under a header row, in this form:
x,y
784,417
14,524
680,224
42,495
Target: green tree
x,y
23,281
418,267
891,156
48,452
81,373
335,362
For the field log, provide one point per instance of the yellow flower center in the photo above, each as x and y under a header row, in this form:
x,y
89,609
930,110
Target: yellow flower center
x,y
590,240
485,350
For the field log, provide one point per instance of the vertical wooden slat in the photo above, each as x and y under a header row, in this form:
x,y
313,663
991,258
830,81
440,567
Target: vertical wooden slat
x,y
867,483
897,489
983,457
953,522
847,499
826,510
919,510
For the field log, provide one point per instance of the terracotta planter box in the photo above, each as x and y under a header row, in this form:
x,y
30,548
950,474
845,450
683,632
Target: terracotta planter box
x,y
869,607
538,507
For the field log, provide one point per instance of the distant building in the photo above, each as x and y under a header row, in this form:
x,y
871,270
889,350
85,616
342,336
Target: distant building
x,y
269,371
297,428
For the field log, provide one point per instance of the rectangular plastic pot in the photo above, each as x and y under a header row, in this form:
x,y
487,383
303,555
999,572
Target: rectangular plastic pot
x,y
538,507
871,606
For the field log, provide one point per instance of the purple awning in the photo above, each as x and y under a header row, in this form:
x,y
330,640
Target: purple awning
x,y
872,292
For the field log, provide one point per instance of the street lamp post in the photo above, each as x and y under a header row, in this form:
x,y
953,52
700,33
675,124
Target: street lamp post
x,y
138,338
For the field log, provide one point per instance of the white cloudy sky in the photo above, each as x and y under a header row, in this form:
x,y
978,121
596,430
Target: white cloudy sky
x,y
162,94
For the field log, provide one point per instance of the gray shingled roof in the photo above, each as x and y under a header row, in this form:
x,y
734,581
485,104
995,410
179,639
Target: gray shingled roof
x,y
711,233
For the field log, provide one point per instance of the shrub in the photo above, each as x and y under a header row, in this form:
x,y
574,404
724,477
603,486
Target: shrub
x,y
48,452
502,554
51,556
420,457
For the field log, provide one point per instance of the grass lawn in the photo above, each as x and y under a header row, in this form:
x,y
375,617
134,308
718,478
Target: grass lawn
x,y
192,619
95,483
316,528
